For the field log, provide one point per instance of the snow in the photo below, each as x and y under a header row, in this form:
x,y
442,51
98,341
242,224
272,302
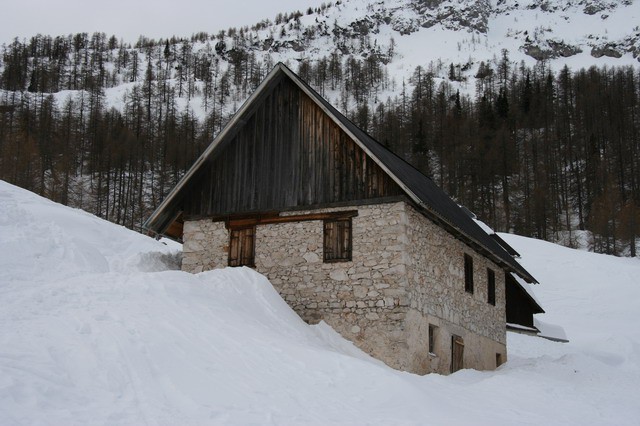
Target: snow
x,y
550,331
521,327
95,329
509,24
484,226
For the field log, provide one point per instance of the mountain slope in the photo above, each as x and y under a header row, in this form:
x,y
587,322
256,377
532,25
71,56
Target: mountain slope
x,y
401,34
87,337
465,32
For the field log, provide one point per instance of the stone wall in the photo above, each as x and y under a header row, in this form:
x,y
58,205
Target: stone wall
x,y
365,299
405,274
206,246
438,297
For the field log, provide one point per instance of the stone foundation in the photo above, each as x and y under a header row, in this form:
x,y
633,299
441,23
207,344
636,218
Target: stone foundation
x,y
405,274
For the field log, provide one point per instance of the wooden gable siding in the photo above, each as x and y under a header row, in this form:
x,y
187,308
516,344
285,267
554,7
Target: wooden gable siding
x,y
519,307
286,153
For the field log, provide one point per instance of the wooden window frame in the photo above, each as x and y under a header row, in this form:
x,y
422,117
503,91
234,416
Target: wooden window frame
x,y
345,255
238,235
491,287
468,273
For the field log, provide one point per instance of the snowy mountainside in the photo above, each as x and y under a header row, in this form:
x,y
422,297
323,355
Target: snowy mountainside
x,y
514,25
90,334
436,35
411,33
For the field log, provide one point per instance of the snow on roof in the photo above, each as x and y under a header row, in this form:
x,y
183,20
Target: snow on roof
x,y
486,228
514,326
550,331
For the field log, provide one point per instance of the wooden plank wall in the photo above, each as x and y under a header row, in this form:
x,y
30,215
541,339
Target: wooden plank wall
x,y
287,153
519,308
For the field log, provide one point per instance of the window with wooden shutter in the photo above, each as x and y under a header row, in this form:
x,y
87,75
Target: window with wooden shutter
x,y
337,240
242,247
491,287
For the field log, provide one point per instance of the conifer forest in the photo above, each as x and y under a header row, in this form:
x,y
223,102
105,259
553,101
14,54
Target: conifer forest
x,y
537,151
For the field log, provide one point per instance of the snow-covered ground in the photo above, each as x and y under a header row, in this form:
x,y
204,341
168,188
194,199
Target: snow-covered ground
x,y
95,329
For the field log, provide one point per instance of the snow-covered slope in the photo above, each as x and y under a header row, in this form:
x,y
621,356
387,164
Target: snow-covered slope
x,y
468,31
436,34
93,332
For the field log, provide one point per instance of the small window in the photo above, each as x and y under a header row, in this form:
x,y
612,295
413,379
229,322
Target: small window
x,y
432,338
337,240
491,287
468,273
498,360
242,247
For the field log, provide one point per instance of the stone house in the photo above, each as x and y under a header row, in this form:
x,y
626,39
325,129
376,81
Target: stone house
x,y
347,232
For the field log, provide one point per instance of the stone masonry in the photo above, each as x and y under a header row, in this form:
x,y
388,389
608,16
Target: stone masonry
x,y
436,290
406,273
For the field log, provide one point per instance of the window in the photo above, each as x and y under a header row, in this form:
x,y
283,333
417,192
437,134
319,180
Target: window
x,y
491,287
242,247
468,273
337,240
432,338
498,360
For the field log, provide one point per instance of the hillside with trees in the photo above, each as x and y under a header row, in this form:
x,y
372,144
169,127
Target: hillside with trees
x,y
95,123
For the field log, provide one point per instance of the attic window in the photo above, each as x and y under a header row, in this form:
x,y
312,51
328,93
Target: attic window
x,y
491,287
242,246
468,273
337,240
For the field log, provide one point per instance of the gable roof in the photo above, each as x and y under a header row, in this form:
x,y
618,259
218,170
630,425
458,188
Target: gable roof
x,y
431,200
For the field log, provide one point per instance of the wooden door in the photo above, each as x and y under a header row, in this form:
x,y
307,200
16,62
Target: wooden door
x,y
457,353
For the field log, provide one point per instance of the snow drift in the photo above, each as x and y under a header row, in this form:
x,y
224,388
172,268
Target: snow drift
x,y
96,329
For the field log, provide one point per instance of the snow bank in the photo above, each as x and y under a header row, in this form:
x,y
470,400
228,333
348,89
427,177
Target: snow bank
x,y
45,240
89,337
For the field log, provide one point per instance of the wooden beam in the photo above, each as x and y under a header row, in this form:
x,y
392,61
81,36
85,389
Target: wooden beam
x,y
175,230
244,222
